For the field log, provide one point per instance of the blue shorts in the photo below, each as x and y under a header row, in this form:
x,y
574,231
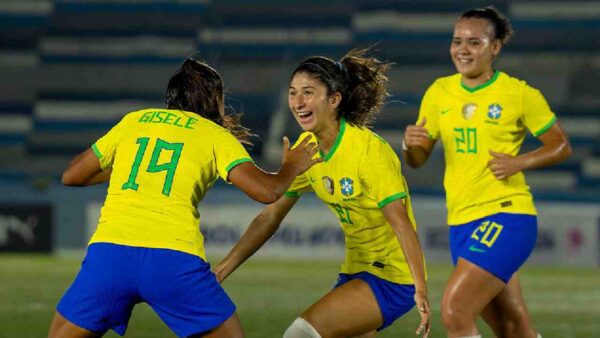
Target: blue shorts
x,y
394,299
178,286
499,243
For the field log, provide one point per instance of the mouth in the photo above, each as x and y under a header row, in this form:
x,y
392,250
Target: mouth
x,y
304,116
464,61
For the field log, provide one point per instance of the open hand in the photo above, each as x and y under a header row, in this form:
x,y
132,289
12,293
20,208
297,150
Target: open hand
x,y
422,304
301,157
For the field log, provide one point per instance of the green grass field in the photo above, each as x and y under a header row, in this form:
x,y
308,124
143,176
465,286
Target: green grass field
x,y
564,302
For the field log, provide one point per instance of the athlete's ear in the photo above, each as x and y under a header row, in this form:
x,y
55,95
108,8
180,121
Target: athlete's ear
x,y
335,100
496,47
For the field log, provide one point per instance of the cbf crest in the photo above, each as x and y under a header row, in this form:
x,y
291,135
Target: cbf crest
x,y
494,111
347,187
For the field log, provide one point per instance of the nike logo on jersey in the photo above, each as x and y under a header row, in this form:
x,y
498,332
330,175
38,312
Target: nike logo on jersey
x,y
475,249
443,112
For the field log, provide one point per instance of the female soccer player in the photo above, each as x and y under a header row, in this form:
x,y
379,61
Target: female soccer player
x,y
148,248
360,181
481,116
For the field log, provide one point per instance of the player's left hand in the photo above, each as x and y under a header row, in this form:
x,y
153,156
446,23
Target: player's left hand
x,y
422,304
504,165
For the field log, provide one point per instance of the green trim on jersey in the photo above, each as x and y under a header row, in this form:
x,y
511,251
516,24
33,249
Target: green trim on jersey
x,y
481,86
338,139
291,193
390,199
546,127
236,162
96,151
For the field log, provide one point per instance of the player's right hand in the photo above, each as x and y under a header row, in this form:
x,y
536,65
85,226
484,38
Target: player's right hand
x,y
301,157
416,135
424,309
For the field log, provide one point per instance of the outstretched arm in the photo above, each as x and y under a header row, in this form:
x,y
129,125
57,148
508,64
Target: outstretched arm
x,y
258,232
555,149
395,213
85,170
267,187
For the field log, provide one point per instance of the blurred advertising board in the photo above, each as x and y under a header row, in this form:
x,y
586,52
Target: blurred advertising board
x,y
25,228
568,233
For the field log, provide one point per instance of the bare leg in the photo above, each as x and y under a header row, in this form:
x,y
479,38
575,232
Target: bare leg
x,y
371,334
62,328
354,300
507,313
468,292
231,328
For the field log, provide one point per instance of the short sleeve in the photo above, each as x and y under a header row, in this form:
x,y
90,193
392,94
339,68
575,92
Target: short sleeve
x,y
301,182
537,116
228,152
300,185
381,175
106,146
430,111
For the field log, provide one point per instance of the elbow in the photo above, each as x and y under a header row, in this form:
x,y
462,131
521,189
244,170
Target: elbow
x,y
69,179
563,151
271,198
567,150
267,196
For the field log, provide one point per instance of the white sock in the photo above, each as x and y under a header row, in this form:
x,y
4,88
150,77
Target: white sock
x,y
539,335
300,328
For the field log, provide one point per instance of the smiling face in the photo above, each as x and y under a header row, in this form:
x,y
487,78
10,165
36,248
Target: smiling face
x,y
474,48
314,110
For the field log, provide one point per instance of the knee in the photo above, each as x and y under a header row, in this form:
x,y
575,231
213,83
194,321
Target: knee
x,y
511,328
454,319
300,328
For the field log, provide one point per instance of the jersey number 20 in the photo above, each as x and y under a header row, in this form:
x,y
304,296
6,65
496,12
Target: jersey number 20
x,y
154,167
466,140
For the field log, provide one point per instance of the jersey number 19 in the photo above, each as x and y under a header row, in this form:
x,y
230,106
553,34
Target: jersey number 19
x,y
154,167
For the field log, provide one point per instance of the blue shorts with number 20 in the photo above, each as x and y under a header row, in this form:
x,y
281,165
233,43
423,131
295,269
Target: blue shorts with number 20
x,y
499,243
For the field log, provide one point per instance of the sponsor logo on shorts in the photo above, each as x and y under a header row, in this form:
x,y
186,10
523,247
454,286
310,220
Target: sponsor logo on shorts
x,y
475,249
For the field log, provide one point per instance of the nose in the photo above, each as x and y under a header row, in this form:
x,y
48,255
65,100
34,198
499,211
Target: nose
x,y
461,48
298,101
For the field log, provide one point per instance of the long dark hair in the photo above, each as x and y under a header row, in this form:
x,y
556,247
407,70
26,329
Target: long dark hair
x,y
198,88
502,28
359,78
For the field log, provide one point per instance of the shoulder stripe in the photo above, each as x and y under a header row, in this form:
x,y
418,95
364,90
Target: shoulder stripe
x,y
96,151
546,127
390,199
237,162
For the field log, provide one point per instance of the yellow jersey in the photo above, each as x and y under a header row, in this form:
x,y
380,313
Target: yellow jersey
x,y
163,162
360,175
471,122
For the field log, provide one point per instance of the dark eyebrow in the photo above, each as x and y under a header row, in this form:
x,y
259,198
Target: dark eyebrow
x,y
305,87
